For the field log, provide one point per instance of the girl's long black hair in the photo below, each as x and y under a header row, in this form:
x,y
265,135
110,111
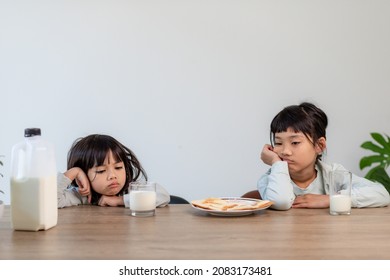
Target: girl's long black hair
x,y
87,152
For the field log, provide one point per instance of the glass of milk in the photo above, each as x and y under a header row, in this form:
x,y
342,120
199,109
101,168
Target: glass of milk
x,y
142,199
340,192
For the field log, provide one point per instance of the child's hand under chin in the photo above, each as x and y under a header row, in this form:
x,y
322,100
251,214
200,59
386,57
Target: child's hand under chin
x,y
268,156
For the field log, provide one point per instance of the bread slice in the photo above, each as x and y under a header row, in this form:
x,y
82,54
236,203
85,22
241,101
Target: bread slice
x,y
230,204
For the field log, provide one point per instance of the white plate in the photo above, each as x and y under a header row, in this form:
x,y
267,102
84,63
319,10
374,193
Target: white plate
x,y
233,213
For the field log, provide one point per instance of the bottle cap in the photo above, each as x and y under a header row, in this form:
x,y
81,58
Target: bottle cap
x,y
29,132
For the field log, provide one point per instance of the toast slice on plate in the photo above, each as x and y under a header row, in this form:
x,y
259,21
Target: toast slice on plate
x,y
220,204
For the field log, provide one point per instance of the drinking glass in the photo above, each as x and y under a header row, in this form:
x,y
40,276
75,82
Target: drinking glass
x,y
142,199
340,192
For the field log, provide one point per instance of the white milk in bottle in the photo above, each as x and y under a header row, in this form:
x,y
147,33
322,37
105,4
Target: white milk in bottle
x,y
33,183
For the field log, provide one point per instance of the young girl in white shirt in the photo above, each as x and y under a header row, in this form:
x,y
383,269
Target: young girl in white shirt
x,y
298,178
100,170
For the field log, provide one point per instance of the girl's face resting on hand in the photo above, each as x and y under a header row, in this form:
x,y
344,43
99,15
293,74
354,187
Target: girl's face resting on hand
x,y
109,178
297,150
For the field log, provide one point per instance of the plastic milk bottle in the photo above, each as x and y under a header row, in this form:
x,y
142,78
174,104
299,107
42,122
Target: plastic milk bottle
x,y
33,183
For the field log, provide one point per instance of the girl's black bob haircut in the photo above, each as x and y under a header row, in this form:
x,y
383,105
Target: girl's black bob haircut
x,y
305,118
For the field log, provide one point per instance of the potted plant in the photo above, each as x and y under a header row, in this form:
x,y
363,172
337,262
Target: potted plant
x,y
1,192
379,161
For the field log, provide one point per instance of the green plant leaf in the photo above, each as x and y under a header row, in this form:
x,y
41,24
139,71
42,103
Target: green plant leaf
x,y
369,160
381,140
1,163
368,145
381,159
386,148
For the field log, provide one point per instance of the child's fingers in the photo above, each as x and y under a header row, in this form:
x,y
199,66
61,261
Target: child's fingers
x,y
83,188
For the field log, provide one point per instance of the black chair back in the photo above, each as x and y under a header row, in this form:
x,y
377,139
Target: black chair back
x,y
178,200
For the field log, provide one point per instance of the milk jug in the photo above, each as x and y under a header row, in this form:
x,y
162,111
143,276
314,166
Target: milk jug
x,y
33,183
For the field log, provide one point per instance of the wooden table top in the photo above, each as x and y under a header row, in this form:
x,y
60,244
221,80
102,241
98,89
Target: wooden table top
x,y
179,232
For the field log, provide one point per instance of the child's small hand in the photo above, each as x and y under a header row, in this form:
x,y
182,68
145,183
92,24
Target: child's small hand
x,y
82,181
311,201
111,200
268,156
84,186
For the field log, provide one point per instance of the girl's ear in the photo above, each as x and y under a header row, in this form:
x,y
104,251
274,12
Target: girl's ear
x,y
321,145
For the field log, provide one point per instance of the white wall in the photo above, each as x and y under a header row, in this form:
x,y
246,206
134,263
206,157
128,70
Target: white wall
x,y
191,86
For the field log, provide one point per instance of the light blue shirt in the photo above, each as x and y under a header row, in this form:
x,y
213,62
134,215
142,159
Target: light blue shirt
x,y
277,186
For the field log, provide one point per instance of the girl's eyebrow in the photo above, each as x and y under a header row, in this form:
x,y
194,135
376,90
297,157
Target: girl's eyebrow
x,y
296,136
